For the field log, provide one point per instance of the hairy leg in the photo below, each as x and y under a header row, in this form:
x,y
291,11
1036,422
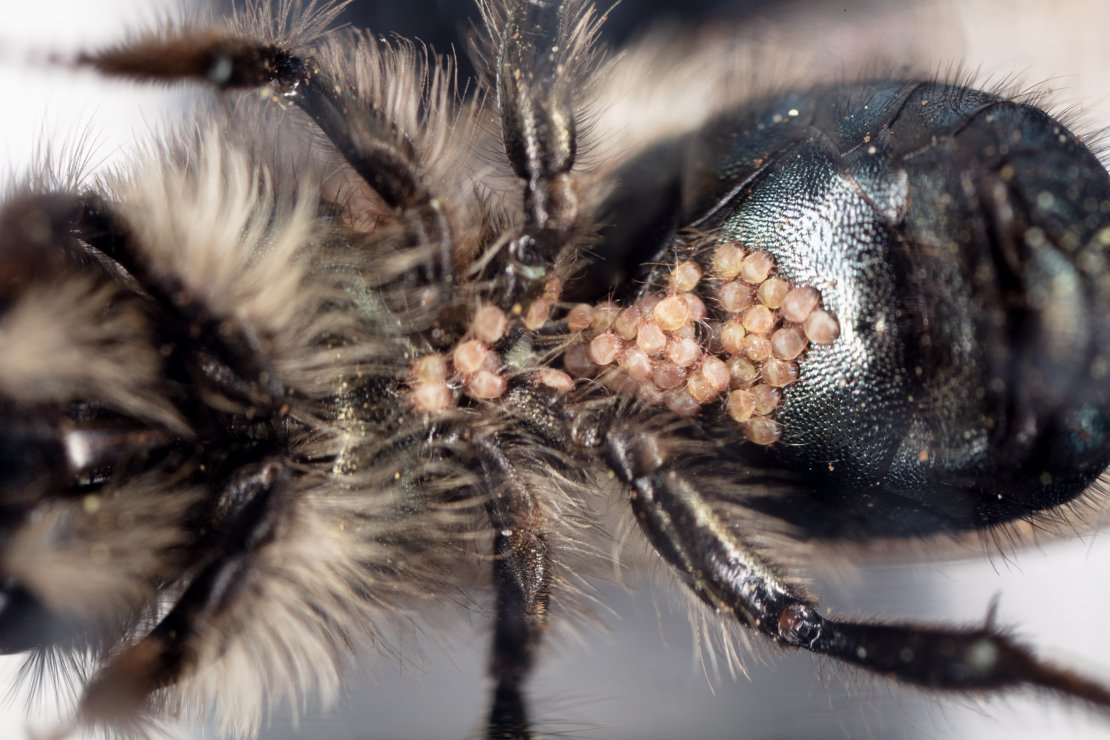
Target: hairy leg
x,y
522,580
732,576
253,507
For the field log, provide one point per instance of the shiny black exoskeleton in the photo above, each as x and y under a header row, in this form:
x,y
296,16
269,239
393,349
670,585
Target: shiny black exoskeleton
x,y
956,236
961,238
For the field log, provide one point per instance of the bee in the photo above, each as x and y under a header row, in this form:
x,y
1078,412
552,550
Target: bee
x,y
356,344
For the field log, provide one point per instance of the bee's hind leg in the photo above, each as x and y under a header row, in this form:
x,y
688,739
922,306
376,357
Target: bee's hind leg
x,y
713,559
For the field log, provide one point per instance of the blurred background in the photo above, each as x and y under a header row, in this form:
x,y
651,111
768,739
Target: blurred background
x,y
637,675
444,24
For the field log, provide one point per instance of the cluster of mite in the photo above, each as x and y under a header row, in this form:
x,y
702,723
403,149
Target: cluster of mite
x,y
666,348
311,389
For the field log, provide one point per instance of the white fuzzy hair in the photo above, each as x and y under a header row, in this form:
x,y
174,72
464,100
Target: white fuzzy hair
x,y
224,207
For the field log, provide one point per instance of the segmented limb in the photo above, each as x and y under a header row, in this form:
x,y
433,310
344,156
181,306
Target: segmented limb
x,y
540,48
165,655
236,357
41,246
377,149
54,448
537,116
522,580
44,454
77,233
732,577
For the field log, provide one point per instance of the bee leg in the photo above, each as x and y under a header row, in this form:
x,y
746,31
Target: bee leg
x,y
538,67
170,650
108,245
65,232
233,344
522,579
731,576
48,451
378,150
385,157
535,101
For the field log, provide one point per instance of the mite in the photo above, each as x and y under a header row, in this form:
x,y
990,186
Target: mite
x,y
357,341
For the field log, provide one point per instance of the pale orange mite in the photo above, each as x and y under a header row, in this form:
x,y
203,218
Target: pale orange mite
x,y
738,351
728,333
